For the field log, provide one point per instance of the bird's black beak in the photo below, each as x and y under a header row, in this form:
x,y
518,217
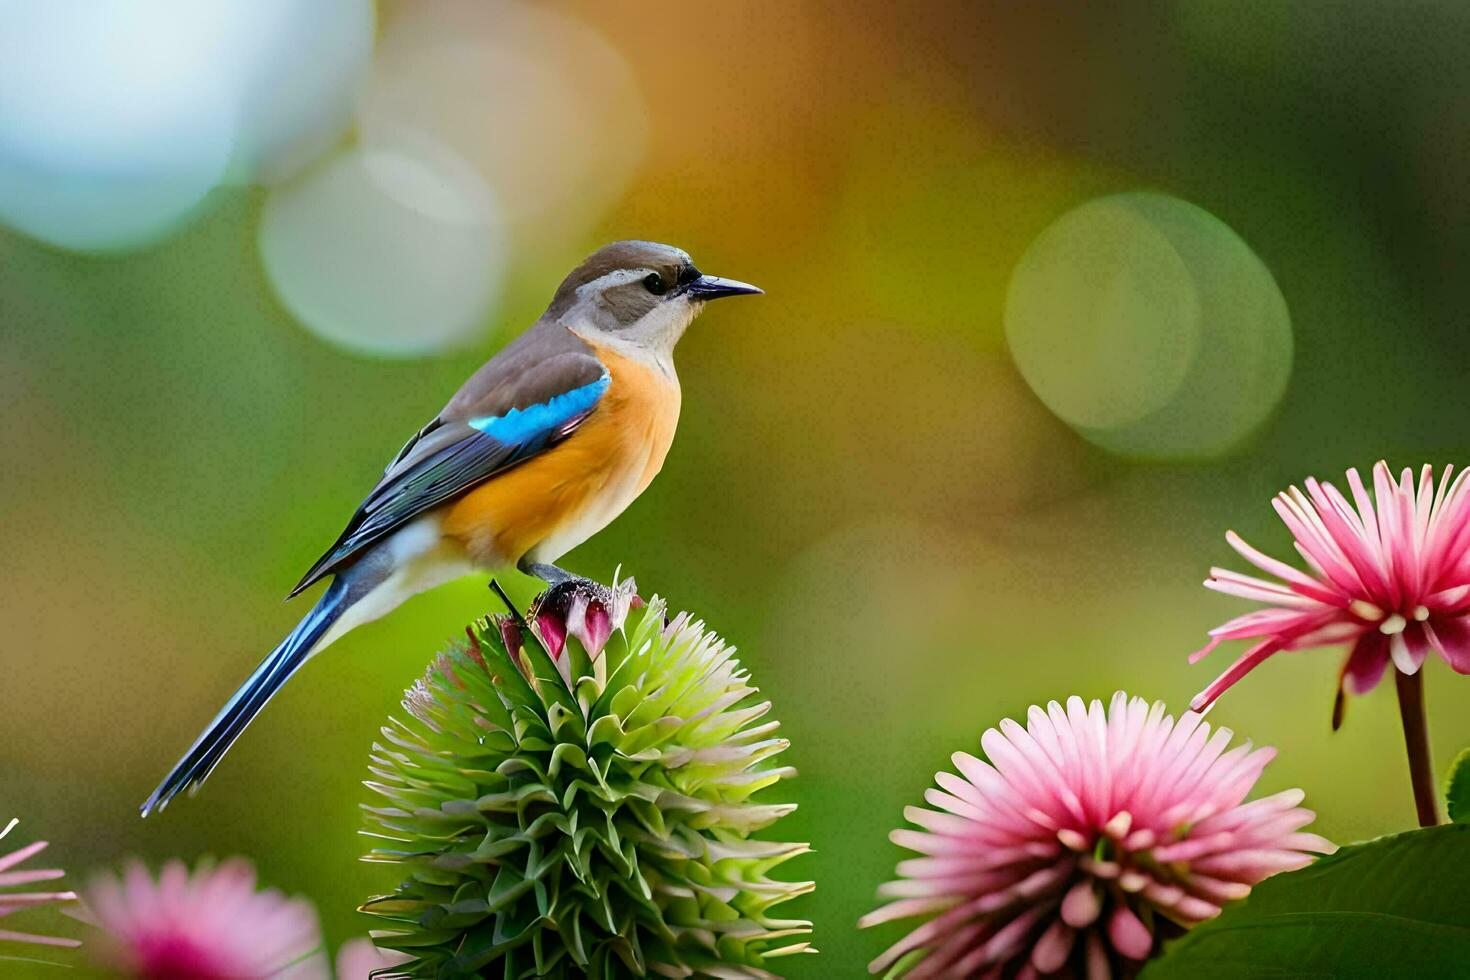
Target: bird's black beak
x,y
713,287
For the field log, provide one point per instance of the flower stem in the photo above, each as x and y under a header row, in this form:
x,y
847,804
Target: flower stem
x,y
1416,740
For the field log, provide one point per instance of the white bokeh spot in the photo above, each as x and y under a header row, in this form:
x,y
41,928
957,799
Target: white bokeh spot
x,y
386,252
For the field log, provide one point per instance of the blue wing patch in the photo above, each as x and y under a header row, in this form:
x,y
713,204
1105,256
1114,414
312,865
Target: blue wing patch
x,y
462,454
532,423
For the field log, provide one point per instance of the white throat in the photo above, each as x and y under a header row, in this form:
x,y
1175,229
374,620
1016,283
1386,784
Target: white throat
x,y
650,340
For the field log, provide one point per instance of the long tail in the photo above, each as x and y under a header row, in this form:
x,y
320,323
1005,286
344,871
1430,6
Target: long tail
x,y
245,704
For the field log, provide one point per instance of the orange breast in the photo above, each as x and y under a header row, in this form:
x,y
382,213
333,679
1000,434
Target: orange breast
x,y
552,502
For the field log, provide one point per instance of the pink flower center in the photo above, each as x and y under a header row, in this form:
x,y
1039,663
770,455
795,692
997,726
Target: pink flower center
x,y
174,957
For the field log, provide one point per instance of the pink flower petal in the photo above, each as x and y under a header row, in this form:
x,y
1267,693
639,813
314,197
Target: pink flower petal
x,y
597,627
1388,571
358,958
1128,934
1081,906
510,635
1248,662
1010,881
1451,640
1366,664
552,629
1052,949
212,923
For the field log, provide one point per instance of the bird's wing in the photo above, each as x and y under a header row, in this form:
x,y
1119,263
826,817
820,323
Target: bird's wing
x,y
526,399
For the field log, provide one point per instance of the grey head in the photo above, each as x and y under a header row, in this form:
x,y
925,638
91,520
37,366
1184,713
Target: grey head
x,y
637,297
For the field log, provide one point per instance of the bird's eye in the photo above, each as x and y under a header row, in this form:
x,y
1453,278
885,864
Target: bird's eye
x,y
654,283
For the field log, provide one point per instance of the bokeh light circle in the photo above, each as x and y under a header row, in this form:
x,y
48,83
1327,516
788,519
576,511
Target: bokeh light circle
x,y
118,117
303,63
1150,327
535,100
1102,316
115,117
387,252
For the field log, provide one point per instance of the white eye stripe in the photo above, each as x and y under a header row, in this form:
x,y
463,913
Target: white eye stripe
x,y
616,278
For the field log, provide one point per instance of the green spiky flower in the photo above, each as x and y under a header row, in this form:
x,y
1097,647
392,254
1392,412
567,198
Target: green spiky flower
x,y
584,815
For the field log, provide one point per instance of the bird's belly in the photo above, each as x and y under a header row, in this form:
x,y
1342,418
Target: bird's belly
x,y
597,512
546,506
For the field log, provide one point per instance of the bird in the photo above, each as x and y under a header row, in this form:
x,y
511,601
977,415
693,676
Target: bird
x,y
539,450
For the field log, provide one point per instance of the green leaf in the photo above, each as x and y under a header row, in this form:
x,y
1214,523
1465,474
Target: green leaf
x,y
508,677
1391,907
1457,788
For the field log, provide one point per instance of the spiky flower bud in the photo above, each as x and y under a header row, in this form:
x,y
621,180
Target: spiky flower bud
x,y
584,815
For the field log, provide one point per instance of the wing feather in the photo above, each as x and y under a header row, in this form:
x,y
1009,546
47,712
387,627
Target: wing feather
x,y
528,398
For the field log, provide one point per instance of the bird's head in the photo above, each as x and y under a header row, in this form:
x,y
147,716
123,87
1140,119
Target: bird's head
x,y
637,296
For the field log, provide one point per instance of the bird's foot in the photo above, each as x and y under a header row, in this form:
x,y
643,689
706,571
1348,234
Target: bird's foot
x,y
580,607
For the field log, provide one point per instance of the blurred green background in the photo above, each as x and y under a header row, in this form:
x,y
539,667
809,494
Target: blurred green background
x,y
865,495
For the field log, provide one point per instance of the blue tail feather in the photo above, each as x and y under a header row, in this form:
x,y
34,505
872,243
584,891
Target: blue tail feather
x,y
246,703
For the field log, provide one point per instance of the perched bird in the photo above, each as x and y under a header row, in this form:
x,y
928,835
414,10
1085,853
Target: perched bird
x,y
539,450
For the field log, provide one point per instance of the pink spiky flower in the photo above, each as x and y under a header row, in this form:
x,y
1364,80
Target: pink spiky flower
x,y
13,901
212,925
1089,834
1392,580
